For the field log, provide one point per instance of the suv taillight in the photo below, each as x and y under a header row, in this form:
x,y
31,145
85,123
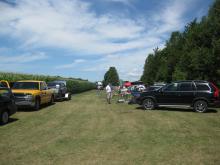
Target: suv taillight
x,y
216,91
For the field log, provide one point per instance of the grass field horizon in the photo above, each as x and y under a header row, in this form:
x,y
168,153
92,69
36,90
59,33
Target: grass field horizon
x,y
87,130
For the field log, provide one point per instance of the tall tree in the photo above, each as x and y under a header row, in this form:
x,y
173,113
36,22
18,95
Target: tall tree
x,y
192,54
111,76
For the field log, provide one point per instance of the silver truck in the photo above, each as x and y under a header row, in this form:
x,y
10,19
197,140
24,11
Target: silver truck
x,y
60,90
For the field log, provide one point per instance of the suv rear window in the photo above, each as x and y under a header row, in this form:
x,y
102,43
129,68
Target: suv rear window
x,y
202,87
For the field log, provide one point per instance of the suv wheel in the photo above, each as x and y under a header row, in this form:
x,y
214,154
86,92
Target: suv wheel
x,y
37,105
148,104
200,106
4,117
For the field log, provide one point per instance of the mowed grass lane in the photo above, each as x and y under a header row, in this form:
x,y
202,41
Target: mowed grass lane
x,y
86,130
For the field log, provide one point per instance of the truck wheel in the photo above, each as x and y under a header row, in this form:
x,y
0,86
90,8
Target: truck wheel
x,y
148,104
200,106
4,117
37,104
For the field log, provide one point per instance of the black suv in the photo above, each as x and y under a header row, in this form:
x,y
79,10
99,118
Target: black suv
x,y
7,104
197,94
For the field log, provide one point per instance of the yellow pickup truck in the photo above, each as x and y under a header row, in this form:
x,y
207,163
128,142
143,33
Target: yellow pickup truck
x,y
32,93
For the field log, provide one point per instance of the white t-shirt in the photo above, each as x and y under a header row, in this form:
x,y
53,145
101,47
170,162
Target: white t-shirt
x,y
108,89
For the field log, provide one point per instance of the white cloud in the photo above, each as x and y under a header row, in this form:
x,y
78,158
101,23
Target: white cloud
x,y
125,2
67,24
25,58
72,25
71,65
129,65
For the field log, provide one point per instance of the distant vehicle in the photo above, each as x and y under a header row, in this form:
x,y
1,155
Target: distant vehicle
x,y
137,83
32,93
7,104
127,84
61,81
60,90
197,94
99,85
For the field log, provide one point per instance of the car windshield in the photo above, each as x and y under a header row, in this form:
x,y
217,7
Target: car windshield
x,y
51,84
26,85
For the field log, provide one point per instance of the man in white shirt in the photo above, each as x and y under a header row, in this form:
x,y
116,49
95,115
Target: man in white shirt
x,y
108,93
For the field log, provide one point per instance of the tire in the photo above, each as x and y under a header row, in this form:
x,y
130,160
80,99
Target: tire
x,y
200,106
148,104
37,104
4,117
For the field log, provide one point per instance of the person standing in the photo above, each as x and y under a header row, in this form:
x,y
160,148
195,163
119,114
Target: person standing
x,y
108,93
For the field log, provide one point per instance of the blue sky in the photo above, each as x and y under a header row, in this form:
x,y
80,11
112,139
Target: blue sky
x,y
83,38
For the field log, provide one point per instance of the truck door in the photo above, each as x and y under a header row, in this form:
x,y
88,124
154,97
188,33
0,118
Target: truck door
x,y
43,90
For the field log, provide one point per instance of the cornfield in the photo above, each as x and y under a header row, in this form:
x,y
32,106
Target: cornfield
x,y
73,85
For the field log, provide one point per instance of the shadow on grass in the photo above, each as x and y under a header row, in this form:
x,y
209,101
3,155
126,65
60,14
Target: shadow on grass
x,y
178,109
10,120
29,109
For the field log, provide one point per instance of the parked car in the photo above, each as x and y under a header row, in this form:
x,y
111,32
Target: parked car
x,y
136,91
198,94
32,93
99,85
60,90
7,104
127,84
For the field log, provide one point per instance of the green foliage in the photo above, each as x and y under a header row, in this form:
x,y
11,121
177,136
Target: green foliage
x,y
111,76
192,54
73,85
79,86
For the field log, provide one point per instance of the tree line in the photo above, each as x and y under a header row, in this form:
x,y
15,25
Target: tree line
x,y
193,54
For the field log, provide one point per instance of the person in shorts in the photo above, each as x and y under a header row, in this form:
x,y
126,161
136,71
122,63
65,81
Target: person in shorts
x,y
108,93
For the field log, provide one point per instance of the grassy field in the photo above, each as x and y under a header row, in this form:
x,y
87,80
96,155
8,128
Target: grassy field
x,y
86,130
